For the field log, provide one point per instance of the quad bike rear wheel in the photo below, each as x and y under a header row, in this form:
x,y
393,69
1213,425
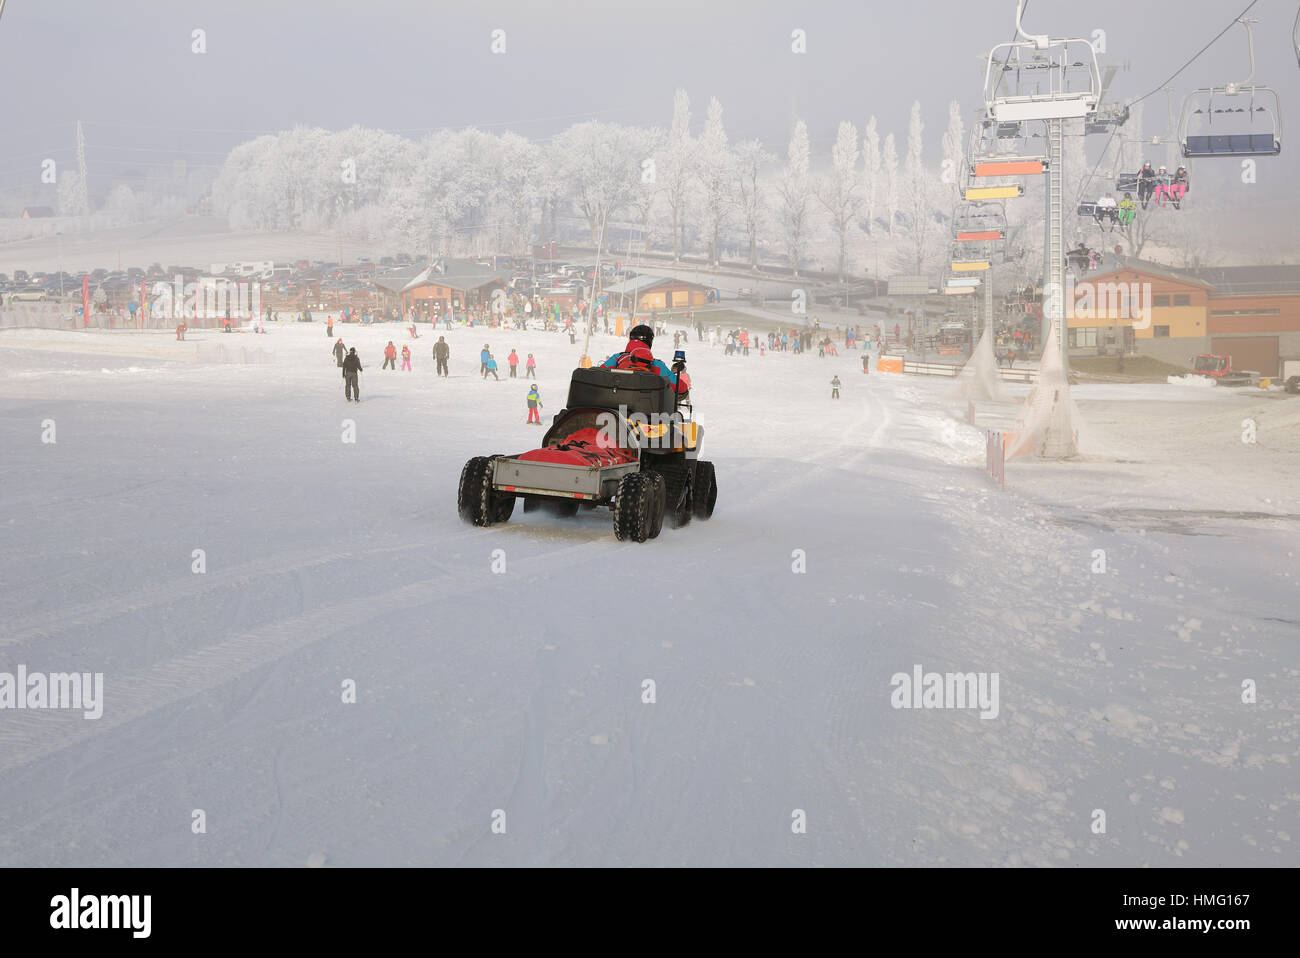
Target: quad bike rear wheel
x,y
638,507
660,494
477,502
706,489
677,489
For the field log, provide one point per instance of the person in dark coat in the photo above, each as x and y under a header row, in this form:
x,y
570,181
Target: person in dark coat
x,y
339,352
441,351
351,366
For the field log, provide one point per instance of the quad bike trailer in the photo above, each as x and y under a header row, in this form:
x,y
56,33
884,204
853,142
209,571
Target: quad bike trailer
x,y
647,470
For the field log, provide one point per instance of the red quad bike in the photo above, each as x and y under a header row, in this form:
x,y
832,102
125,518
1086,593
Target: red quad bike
x,y
624,440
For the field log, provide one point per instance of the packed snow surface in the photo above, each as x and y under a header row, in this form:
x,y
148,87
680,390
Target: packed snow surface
x,y
518,696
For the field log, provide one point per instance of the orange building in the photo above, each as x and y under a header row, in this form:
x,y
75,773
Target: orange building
x,y
1251,313
450,284
644,293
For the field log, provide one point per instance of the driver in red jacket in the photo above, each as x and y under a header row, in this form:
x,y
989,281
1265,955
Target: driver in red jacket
x,y
637,356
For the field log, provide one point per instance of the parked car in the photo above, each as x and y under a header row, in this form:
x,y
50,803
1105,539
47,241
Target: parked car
x,y
31,294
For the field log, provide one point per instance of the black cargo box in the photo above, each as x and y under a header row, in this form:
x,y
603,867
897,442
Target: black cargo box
x,y
646,393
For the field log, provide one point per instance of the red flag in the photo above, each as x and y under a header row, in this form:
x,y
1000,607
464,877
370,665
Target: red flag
x,y
85,300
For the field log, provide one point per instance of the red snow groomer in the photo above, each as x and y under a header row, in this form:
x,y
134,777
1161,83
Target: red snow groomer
x,y
624,440
1219,368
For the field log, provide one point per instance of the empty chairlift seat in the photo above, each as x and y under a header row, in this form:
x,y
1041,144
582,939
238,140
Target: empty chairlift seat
x,y
1240,144
1224,121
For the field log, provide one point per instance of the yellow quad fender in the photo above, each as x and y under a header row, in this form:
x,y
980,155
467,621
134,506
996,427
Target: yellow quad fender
x,y
686,435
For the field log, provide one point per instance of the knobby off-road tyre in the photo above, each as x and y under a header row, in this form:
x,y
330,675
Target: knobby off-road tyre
x,y
658,491
476,501
677,491
706,489
635,503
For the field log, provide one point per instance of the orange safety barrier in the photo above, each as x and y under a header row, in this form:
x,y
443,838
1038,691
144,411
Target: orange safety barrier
x,y
889,364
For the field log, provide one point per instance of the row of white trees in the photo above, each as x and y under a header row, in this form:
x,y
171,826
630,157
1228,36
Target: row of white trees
x,y
469,191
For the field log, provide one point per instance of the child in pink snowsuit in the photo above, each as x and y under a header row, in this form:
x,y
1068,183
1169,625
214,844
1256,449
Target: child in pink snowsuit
x,y
531,367
406,358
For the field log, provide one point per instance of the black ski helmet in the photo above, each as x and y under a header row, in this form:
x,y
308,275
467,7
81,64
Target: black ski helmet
x,y
642,334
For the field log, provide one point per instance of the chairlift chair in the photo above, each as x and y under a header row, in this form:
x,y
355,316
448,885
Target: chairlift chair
x,y
1249,127
980,193
1054,79
1003,149
979,223
1249,116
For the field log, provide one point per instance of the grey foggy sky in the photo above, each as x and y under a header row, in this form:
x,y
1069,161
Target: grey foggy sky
x,y
125,66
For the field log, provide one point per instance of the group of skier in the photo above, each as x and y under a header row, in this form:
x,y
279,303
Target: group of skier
x,y
350,363
488,364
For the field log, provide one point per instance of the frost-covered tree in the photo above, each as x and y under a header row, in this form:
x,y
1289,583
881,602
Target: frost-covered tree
x,y
870,172
674,167
521,184
713,162
839,191
889,181
551,189
750,192
795,192
917,196
647,195
954,149
602,164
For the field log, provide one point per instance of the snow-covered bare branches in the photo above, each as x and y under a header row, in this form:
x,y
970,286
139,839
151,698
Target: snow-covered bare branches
x,y
840,190
713,162
795,192
751,191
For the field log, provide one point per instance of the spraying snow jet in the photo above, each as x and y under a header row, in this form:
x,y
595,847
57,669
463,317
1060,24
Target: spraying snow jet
x,y
946,690
55,690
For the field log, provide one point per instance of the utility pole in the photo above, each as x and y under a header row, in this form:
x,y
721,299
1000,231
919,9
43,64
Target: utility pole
x,y
600,243
1054,242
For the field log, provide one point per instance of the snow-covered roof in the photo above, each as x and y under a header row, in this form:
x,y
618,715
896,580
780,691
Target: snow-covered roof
x,y
1277,280
1250,280
638,283
454,274
462,276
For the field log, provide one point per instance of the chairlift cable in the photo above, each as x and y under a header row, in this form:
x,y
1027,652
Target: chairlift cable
x,y
1132,103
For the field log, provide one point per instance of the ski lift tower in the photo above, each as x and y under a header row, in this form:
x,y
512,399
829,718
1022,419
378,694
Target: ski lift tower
x,y
1055,80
